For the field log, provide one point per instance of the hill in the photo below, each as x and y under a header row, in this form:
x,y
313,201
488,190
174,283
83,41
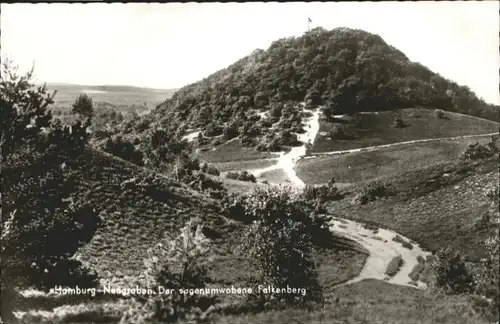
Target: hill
x,y
345,70
138,208
439,205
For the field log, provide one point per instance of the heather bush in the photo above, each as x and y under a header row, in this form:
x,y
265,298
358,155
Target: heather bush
x,y
180,263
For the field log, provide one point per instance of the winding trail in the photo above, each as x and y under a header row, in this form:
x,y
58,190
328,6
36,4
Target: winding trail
x,y
378,244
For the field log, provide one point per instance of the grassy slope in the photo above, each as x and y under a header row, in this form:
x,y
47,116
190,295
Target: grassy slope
x,y
133,220
232,151
362,166
375,129
244,165
436,206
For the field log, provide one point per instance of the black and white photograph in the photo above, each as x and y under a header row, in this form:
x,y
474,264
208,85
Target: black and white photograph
x,y
250,163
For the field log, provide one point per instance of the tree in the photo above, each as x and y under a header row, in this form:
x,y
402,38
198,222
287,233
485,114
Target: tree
x,y
83,107
230,130
37,182
175,264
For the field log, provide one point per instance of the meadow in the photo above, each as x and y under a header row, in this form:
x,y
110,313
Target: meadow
x,y
232,151
367,165
371,129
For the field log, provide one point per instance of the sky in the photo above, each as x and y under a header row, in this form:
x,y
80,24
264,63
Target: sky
x,y
171,45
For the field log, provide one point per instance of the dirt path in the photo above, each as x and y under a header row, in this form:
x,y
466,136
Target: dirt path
x,y
382,249
287,161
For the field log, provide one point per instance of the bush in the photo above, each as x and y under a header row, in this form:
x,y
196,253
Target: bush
x,y
242,176
394,266
213,171
477,151
337,132
487,276
213,129
417,269
181,263
450,273
123,149
407,245
439,114
398,123
374,190
322,193
278,243
230,131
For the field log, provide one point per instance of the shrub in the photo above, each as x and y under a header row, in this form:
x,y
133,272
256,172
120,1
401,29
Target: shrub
x,y
213,171
398,123
477,151
230,131
417,269
487,276
450,273
274,145
213,129
123,149
407,245
242,176
322,193
337,132
374,190
278,243
439,114
394,266
285,137
181,263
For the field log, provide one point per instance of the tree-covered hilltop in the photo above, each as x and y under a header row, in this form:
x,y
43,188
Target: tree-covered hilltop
x,y
346,70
